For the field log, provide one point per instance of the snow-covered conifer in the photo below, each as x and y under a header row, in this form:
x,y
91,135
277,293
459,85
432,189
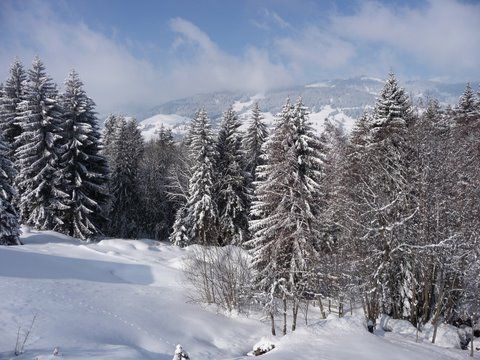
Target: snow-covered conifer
x,y
180,354
13,94
38,157
200,213
9,225
84,170
158,208
286,207
232,192
126,149
384,194
467,105
255,136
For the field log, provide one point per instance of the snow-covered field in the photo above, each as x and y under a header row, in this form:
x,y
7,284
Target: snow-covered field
x,y
125,299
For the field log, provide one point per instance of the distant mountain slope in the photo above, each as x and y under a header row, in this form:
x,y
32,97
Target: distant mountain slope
x,y
342,100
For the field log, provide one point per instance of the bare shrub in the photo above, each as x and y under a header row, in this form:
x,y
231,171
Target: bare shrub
x,y
22,337
219,275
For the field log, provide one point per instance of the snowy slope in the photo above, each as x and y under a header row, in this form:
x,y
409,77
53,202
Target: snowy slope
x,y
125,299
179,124
342,99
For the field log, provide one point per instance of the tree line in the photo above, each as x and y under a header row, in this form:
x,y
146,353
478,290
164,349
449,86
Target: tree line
x,y
387,215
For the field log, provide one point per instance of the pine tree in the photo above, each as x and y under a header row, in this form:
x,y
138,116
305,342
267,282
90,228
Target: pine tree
x,y
467,107
157,206
37,159
255,137
13,95
9,225
84,170
127,149
333,147
200,214
286,208
109,134
386,201
232,192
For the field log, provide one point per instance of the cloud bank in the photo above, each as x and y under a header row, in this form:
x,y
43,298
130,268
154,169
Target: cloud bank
x,y
442,37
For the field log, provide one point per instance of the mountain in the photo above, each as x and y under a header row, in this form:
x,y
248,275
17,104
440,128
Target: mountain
x,y
343,100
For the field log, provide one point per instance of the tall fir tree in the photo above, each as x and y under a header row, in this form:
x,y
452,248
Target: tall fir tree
x,y
197,222
468,105
387,200
13,95
126,149
84,170
158,208
232,192
255,136
286,207
9,224
38,157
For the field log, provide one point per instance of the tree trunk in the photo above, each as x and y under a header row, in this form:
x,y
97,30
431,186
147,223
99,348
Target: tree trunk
x,y
306,312
438,311
284,330
272,319
322,311
295,306
473,337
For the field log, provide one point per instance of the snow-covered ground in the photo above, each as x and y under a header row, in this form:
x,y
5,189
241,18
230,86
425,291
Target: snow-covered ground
x,y
125,299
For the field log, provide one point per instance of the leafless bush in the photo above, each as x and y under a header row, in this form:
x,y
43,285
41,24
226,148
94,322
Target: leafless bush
x,y
219,275
22,337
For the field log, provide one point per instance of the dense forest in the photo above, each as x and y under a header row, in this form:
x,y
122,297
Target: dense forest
x,y
386,216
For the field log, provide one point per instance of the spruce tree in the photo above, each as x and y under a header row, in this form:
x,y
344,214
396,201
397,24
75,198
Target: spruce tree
x,y
255,136
157,206
38,157
286,207
387,201
468,106
127,151
84,170
200,216
13,95
9,224
232,191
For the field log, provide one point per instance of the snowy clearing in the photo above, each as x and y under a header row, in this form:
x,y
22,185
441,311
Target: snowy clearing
x,y
125,299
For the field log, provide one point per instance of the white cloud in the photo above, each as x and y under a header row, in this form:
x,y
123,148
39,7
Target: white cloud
x,y
315,46
114,77
210,68
443,35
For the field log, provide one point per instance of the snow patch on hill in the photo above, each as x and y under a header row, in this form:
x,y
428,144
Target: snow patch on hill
x,y
179,124
150,127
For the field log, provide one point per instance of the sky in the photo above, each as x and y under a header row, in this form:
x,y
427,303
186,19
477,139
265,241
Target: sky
x,y
133,55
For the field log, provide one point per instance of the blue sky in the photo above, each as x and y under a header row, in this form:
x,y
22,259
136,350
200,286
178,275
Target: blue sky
x,y
136,54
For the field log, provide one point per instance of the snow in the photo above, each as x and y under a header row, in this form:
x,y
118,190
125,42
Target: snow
x,y
372,79
318,118
150,127
320,85
126,299
447,335
238,106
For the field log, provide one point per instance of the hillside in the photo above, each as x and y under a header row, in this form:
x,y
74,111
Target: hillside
x,y
342,100
126,299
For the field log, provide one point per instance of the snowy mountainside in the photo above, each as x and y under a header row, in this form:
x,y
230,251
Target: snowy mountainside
x,y
342,100
126,299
